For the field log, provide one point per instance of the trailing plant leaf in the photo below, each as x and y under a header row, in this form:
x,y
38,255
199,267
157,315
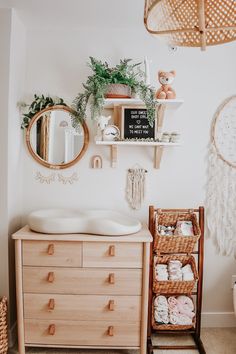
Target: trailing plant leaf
x,y
40,103
96,86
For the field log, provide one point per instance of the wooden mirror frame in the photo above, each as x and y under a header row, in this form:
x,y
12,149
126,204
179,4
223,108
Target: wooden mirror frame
x,y
43,162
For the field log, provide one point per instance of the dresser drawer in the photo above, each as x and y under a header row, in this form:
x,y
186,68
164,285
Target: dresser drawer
x,y
87,333
51,280
116,255
82,307
52,253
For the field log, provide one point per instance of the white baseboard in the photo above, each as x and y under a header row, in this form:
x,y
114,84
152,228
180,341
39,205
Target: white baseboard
x,y
12,336
218,319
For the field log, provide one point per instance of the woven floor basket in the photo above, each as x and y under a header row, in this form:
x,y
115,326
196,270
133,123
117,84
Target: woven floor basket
x,y
164,327
3,326
174,287
192,23
175,243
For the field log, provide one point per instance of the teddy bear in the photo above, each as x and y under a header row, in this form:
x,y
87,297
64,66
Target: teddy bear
x,y
166,79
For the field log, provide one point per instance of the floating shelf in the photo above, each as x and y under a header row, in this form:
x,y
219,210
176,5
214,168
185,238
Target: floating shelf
x,y
127,142
112,102
158,149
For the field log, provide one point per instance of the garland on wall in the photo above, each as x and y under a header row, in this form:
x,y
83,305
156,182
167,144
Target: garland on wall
x,y
221,182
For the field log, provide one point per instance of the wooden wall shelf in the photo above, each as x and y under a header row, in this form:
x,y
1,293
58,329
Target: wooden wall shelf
x,y
162,105
158,149
110,103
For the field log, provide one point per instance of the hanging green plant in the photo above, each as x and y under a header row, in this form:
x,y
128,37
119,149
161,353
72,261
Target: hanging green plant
x,y
97,85
39,103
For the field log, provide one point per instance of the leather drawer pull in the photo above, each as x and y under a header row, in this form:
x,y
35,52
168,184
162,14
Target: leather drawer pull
x,y
111,305
52,329
51,304
50,249
51,277
110,331
111,278
112,251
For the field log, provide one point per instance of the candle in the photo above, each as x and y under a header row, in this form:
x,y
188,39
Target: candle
x,y
147,70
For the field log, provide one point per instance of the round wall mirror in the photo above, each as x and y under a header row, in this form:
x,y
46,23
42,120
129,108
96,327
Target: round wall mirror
x,y
52,141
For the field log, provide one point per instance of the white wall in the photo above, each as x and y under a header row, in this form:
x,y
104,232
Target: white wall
x,y
15,141
5,32
56,64
12,60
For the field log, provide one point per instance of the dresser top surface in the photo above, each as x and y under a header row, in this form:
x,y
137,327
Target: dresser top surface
x,y
26,233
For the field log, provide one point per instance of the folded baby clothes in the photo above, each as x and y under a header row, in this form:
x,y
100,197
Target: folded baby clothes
x,y
174,269
161,272
180,310
161,313
180,319
184,228
174,310
187,273
161,302
161,317
186,306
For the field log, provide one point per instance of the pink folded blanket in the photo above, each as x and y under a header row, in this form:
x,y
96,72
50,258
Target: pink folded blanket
x,y
180,309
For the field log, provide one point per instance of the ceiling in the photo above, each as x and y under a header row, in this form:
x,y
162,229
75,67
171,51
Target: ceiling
x,y
78,13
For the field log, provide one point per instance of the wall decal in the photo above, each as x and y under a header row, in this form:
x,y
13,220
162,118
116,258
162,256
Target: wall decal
x,y
96,161
68,180
45,179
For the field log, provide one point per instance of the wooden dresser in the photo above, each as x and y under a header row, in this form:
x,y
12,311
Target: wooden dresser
x,y
82,291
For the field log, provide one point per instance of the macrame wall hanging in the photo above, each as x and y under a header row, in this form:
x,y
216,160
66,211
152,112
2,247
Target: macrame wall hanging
x,y
135,187
221,183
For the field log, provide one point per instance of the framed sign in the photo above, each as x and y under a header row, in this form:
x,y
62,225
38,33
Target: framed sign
x,y
135,125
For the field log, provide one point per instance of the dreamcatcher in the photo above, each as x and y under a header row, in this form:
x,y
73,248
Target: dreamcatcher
x,y
221,183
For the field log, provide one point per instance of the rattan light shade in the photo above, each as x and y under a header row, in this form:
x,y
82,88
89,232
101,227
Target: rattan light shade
x,y
192,23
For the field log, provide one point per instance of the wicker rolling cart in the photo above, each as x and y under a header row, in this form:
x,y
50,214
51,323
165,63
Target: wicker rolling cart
x,y
3,326
187,249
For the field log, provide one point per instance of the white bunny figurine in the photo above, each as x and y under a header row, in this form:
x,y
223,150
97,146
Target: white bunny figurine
x,y
102,122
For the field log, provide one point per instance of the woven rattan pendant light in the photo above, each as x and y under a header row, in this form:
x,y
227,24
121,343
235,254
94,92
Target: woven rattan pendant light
x,y
192,23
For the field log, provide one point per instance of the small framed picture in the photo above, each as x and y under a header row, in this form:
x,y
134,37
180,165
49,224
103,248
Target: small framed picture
x,y
135,125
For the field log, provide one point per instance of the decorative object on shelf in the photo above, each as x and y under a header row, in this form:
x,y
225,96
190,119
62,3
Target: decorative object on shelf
x,y
166,91
135,190
118,91
198,23
134,123
3,326
175,137
102,122
39,103
147,70
68,180
51,142
165,138
110,133
45,179
95,88
96,162
221,182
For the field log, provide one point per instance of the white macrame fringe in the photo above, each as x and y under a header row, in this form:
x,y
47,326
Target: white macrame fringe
x,y
135,187
221,203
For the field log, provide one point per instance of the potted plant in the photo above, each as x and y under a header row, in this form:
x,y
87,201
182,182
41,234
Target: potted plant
x,y
100,85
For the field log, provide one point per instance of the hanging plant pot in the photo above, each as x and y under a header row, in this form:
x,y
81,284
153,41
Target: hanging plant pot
x,y
118,91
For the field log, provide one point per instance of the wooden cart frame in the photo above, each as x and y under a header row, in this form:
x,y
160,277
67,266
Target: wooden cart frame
x,y
196,331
